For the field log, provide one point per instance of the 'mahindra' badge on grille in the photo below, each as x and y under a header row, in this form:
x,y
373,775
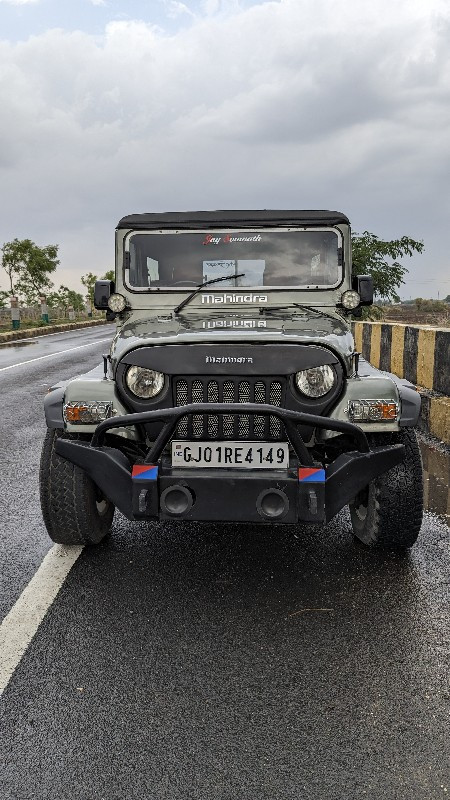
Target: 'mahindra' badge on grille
x,y
228,360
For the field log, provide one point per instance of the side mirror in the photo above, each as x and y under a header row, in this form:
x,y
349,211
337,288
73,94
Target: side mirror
x,y
102,292
363,284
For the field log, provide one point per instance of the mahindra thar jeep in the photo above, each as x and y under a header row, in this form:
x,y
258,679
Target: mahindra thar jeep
x,y
232,391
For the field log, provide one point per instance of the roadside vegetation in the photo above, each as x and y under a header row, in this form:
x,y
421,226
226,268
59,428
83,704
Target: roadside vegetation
x,y
382,260
29,269
418,312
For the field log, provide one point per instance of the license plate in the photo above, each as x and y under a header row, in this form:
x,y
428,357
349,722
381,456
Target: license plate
x,y
240,455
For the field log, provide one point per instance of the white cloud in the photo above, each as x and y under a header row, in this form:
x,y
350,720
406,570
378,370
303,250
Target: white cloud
x,y
211,6
176,9
19,2
298,103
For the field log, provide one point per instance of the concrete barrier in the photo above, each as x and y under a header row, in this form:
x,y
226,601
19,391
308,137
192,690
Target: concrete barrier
x,y
419,354
30,333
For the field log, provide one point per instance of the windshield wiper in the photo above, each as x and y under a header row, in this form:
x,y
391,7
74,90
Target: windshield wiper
x,y
201,285
269,309
307,309
315,311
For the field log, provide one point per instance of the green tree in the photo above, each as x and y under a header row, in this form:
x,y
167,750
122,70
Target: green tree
x,y
11,260
379,258
66,297
88,282
28,267
109,275
75,299
3,298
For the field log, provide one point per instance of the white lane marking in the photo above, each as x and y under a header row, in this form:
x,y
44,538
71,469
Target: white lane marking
x,y
58,353
20,625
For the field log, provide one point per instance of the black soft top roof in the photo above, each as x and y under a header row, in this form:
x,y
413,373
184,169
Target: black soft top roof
x,y
230,219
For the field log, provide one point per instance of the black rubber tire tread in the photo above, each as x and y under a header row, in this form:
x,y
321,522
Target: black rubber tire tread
x,y
68,498
395,498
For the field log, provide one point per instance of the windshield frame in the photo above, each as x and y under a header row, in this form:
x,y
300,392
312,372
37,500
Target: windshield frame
x,y
146,290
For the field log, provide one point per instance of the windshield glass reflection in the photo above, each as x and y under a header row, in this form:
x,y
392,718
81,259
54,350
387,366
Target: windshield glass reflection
x,y
306,259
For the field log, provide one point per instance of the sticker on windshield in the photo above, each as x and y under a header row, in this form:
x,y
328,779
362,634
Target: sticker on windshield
x,y
215,269
229,238
249,270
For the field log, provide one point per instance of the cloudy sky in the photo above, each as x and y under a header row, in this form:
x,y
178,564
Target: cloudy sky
x,y
110,107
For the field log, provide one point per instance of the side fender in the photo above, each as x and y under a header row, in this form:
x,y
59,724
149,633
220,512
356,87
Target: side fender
x,y
53,407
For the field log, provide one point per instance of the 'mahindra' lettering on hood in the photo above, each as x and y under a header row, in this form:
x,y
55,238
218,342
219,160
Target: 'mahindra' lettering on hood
x,y
234,298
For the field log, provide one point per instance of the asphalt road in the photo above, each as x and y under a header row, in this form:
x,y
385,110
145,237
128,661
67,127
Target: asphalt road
x,y
216,662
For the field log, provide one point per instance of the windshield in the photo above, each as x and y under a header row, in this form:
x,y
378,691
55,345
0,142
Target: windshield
x,y
307,259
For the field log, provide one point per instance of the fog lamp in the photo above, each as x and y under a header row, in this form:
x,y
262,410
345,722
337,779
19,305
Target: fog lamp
x,y
350,299
372,411
117,303
79,413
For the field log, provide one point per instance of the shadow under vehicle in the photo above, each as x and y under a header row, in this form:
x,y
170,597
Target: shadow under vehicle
x,y
232,390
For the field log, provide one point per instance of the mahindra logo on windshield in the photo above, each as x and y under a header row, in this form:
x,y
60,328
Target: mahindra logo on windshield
x,y
234,298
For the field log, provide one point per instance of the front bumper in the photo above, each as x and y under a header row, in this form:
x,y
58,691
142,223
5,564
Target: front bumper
x,y
304,492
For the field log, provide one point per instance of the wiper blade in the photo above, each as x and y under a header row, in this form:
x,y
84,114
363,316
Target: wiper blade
x,y
269,309
315,311
201,285
307,309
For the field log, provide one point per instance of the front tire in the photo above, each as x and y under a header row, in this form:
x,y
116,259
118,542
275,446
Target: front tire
x,y
388,512
74,510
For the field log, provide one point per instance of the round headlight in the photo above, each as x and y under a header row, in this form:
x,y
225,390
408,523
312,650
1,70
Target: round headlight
x,y
144,383
117,303
315,382
350,299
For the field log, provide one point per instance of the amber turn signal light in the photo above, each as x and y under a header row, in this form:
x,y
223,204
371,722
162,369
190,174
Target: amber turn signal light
x,y
372,411
87,413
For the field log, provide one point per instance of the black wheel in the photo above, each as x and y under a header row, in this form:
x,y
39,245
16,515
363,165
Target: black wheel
x,y
74,510
388,512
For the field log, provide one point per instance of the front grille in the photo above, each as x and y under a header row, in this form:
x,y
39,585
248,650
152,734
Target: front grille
x,y
229,390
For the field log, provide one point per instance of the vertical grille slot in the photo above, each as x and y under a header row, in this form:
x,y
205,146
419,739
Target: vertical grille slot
x,y
228,419
213,420
182,400
244,419
197,419
275,400
259,423
206,389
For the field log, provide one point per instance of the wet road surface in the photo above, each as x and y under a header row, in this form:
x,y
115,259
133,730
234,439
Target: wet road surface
x,y
51,345
22,389
187,661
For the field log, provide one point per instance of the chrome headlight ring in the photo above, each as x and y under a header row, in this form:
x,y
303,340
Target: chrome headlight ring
x,y
316,381
144,383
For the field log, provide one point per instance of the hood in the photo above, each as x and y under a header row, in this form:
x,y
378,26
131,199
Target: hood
x,y
250,326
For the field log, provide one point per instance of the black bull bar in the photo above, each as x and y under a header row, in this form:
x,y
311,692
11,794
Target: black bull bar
x,y
347,475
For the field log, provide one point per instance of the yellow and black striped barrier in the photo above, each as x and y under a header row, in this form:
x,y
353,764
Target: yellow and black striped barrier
x,y
419,354
436,480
